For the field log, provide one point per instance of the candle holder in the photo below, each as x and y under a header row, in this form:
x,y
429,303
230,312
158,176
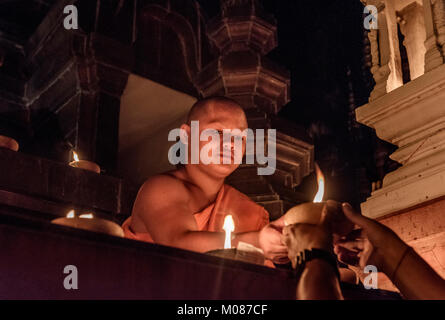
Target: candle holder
x,y
245,252
86,165
8,143
91,224
310,212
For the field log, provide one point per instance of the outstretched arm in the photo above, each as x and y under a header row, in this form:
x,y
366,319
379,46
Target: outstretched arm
x,y
318,281
378,245
170,221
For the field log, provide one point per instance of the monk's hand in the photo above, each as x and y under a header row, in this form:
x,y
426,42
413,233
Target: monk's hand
x,y
301,236
270,240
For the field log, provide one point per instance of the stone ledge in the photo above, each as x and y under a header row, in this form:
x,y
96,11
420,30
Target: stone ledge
x,y
400,112
57,182
122,268
116,268
405,194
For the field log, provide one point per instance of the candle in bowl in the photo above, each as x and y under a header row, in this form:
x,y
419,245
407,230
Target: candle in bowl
x,y
84,164
310,212
8,143
245,252
89,222
228,252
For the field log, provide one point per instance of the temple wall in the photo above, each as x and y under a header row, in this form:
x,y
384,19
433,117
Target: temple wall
x,y
412,117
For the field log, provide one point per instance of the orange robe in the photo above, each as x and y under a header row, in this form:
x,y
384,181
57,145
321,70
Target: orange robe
x,y
247,215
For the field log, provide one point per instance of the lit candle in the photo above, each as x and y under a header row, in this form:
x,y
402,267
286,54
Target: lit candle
x,y
310,212
86,216
70,214
87,221
244,252
84,164
320,180
228,227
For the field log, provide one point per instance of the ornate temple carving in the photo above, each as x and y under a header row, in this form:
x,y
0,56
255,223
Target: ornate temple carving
x,y
412,117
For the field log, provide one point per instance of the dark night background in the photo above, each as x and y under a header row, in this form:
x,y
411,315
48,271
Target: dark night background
x,y
324,45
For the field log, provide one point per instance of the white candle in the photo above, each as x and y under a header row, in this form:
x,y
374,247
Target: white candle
x,y
229,227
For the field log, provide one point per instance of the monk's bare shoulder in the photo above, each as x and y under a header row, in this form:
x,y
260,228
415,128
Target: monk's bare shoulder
x,y
163,187
160,202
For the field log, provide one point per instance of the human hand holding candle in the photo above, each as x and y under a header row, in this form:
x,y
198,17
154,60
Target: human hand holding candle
x,y
301,236
271,242
311,212
310,251
372,244
376,244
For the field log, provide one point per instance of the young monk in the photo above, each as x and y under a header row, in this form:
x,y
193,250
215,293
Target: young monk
x,y
186,207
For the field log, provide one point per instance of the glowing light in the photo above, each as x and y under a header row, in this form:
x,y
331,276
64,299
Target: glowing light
x,y
70,214
320,180
86,216
75,156
229,227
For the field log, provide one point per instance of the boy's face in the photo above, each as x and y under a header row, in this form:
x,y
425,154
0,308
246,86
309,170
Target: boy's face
x,y
220,118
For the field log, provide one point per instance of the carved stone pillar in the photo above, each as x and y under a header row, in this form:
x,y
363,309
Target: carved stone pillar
x,y
439,22
412,26
434,56
412,198
379,52
410,117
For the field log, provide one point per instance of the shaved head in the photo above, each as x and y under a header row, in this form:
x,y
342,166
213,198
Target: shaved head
x,y
215,127
210,108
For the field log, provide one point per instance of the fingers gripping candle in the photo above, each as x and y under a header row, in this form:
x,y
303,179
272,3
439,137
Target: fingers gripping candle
x,y
310,212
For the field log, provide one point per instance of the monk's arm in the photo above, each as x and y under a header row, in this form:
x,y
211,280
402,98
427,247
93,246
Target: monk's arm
x,y
265,234
162,205
203,241
249,237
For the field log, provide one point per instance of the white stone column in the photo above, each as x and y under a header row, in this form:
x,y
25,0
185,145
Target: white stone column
x,y
412,26
439,22
433,55
395,78
413,118
386,62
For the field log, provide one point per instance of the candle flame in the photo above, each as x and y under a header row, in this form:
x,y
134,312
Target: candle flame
x,y
70,214
75,156
320,180
86,216
229,227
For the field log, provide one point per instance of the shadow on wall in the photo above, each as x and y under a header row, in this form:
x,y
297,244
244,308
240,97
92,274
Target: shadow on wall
x,y
148,112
